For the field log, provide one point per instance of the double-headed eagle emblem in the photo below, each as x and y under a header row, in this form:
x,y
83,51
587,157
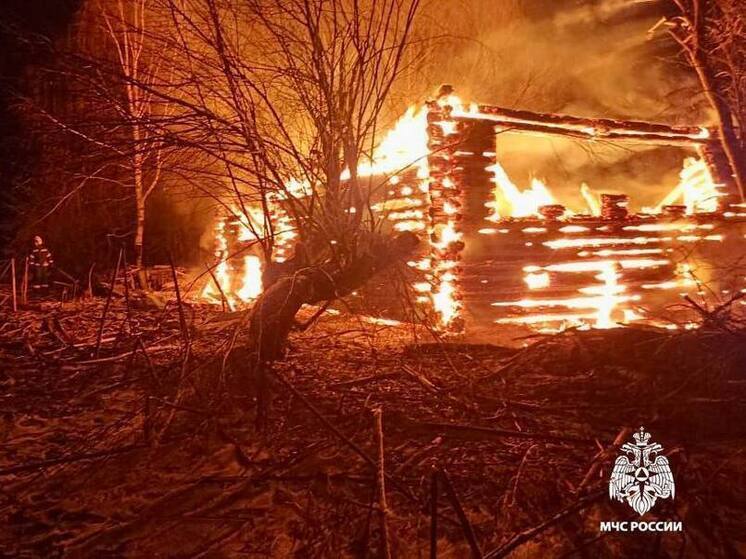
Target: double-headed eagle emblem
x,y
642,480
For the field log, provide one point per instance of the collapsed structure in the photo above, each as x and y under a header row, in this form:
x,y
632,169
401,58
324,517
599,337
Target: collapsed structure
x,y
497,254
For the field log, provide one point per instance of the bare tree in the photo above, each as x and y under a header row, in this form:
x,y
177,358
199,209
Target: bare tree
x,y
712,35
118,122
126,24
285,99
291,94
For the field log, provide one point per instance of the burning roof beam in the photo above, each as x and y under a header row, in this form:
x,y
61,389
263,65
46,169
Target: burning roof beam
x,y
592,128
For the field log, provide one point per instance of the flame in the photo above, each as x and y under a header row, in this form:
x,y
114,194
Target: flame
x,y
536,281
700,192
444,299
522,203
252,223
590,199
603,298
252,279
249,286
696,189
404,146
447,235
458,107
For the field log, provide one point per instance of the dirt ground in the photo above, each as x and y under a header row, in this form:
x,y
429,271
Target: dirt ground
x,y
147,446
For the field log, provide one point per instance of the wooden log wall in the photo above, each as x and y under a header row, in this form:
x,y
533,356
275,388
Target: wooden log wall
x,y
649,264
403,206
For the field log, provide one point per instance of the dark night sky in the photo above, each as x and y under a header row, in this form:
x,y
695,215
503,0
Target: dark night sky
x,y
23,24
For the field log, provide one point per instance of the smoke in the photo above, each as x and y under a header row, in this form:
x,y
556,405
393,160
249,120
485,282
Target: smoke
x,y
586,58
593,58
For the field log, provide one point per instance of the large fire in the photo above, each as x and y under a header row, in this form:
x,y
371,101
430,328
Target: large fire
x,y
597,243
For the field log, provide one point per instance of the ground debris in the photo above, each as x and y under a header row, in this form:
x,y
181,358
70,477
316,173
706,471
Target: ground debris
x,y
139,451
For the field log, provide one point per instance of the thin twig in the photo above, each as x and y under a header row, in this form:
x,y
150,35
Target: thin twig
x,y
13,283
382,505
223,298
434,514
108,302
24,286
526,535
359,451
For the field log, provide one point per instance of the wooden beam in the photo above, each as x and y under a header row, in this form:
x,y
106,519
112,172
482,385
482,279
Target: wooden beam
x,y
592,128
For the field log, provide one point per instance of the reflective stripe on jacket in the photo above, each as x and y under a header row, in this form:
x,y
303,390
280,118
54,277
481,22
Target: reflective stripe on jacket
x,y
41,257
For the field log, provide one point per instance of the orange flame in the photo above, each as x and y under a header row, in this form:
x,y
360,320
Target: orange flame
x,y
696,189
405,146
249,286
521,203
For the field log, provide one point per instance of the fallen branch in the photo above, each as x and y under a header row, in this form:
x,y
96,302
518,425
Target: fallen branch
x,y
526,535
341,436
68,459
420,379
465,524
364,380
473,431
603,455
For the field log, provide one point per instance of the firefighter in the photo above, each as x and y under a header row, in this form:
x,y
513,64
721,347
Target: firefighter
x,y
41,262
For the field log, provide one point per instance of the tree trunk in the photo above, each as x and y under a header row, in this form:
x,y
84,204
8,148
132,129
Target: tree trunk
x,y
731,144
137,172
273,314
691,42
140,228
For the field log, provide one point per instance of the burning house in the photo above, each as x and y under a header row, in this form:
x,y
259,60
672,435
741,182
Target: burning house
x,y
498,254
280,315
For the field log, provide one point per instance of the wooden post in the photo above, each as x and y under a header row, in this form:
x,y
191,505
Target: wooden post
x,y
13,283
24,288
434,514
382,505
